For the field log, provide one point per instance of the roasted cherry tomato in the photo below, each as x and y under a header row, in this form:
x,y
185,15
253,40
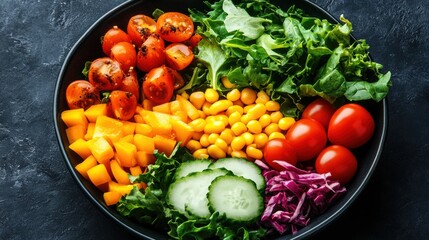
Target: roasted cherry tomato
x,y
105,74
140,27
113,36
175,27
279,149
178,80
351,126
319,110
178,56
130,83
81,94
151,53
158,85
125,54
308,138
339,161
122,104
194,40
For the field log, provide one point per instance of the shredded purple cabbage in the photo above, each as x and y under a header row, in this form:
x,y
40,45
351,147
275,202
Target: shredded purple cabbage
x,y
293,196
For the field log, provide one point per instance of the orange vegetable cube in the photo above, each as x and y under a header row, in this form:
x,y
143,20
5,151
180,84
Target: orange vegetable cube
x,y
144,159
160,122
144,129
182,131
120,188
128,127
108,127
75,132
136,171
111,198
95,111
119,173
89,131
84,166
126,153
80,147
138,118
98,175
148,104
189,108
101,150
74,117
144,143
164,145
181,115
162,108
175,106
128,138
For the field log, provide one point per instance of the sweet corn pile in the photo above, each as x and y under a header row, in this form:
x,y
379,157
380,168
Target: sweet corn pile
x,y
238,126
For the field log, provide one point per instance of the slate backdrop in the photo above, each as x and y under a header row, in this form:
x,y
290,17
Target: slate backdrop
x,y
40,200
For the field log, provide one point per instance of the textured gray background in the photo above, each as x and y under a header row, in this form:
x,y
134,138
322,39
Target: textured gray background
x,y
40,200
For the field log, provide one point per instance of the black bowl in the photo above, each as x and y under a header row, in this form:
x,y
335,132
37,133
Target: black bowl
x,y
88,48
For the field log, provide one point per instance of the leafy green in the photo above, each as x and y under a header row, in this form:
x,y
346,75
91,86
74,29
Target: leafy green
x,y
287,53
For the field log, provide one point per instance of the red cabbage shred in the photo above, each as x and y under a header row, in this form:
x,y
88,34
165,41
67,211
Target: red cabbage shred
x,y
293,196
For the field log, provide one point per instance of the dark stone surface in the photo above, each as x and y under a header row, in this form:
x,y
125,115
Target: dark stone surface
x,y
40,200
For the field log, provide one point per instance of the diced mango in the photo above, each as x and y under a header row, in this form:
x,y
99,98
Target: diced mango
x,y
136,171
144,143
108,127
144,129
89,131
75,132
164,145
99,175
183,132
175,106
101,150
120,188
160,122
162,108
188,107
74,117
80,147
126,153
119,173
95,111
85,165
128,128
111,198
144,159
127,138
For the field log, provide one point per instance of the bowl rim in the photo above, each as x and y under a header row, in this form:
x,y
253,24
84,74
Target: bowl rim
x,y
108,212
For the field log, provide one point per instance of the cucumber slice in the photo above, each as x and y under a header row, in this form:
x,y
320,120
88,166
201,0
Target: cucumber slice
x,y
191,166
188,194
242,167
236,197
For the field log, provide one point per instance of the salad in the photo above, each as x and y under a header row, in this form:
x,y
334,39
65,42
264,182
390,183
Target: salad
x,y
236,123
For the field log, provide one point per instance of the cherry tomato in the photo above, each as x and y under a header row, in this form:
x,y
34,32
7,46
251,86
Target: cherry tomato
x,y
158,85
351,126
81,94
151,53
122,104
339,161
178,56
111,37
140,27
319,110
125,54
178,80
279,149
105,74
194,40
308,138
175,27
130,83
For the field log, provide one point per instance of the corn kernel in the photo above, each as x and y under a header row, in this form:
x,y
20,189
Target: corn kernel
x,y
204,140
193,145
238,154
221,144
211,95
272,106
227,135
276,116
234,108
245,119
234,117
274,135
254,126
198,124
248,96
247,108
273,127
260,140
206,108
226,83
238,128
238,143
253,152
265,120
214,127
257,111
197,99
233,95
215,152
185,95
201,153
262,97
286,122
212,137
248,138
220,106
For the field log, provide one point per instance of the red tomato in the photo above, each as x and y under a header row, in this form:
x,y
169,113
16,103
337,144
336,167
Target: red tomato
x,y
81,94
113,36
178,56
194,40
158,85
319,110
140,27
151,53
125,54
105,74
339,161
122,104
130,83
175,27
351,126
308,138
178,80
279,149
